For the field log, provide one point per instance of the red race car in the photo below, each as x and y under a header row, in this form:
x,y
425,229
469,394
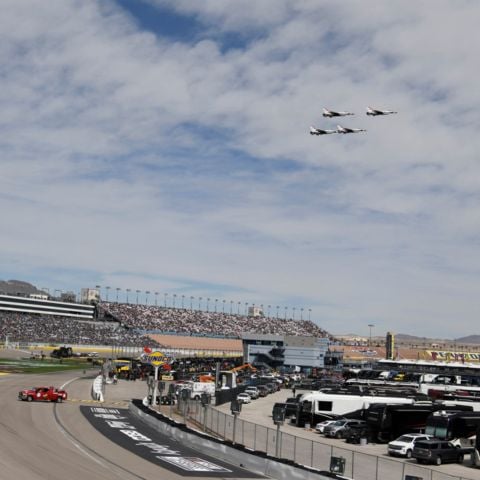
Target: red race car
x,y
42,394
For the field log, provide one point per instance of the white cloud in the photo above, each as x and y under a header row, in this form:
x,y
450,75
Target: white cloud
x,y
172,165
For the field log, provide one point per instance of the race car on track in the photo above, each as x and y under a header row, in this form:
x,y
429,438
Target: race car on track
x,y
42,394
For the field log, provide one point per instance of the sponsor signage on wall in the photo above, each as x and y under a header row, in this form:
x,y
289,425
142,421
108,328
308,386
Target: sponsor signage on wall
x,y
127,431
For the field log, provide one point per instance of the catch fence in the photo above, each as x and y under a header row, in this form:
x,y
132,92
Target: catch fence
x,y
302,451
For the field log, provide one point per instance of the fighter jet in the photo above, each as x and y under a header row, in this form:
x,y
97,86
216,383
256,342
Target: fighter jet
x,y
318,131
331,113
341,129
374,112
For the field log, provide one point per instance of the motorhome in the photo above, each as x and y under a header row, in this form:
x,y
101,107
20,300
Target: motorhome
x,y
459,427
387,422
315,407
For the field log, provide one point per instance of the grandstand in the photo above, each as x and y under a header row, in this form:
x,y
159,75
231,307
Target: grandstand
x,y
161,320
29,320
26,328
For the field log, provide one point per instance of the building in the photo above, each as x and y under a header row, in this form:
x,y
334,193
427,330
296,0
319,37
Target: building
x,y
255,312
46,307
89,295
284,351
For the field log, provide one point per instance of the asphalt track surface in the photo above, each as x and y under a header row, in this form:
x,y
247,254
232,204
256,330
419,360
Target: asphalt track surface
x,y
58,442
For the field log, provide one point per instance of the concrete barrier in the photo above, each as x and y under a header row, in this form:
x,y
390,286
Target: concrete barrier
x,y
253,461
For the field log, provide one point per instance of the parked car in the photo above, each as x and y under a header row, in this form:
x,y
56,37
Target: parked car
x,y
271,387
341,428
244,398
438,452
319,427
357,433
253,392
403,445
263,390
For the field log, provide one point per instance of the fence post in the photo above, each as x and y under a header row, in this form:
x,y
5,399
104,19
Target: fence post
x,y
311,457
295,448
353,462
255,438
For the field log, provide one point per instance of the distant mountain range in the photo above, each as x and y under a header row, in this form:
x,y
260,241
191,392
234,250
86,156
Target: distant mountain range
x,y
412,339
16,287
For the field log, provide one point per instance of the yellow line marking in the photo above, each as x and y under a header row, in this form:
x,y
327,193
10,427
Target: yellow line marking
x,y
82,400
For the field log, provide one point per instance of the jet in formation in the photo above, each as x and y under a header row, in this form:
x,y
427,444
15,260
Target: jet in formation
x,y
340,129
374,112
331,113
344,130
319,131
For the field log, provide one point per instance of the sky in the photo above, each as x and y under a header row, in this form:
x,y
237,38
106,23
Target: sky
x,y
163,146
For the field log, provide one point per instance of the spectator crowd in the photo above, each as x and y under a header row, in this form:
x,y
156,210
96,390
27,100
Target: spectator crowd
x,y
28,328
129,325
183,321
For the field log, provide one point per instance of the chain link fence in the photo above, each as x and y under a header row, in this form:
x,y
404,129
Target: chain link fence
x,y
302,451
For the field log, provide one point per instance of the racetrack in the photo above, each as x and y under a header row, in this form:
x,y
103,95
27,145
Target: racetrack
x,y
56,442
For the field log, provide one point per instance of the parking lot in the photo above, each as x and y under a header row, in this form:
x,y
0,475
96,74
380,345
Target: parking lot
x,y
369,459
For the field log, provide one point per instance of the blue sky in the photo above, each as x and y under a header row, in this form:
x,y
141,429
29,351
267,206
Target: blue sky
x,y
162,145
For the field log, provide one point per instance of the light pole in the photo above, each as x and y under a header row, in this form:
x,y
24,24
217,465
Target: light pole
x,y
238,308
191,303
277,307
309,312
107,289
268,310
246,308
156,299
147,293
301,314
128,290
174,297
223,306
165,300
183,301
117,289
286,308
293,313
216,300
138,291
199,302
208,301
231,306
370,325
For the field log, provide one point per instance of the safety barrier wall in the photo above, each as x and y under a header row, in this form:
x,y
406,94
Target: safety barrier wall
x,y
302,451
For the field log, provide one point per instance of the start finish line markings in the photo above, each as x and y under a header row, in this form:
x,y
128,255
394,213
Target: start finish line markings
x,y
127,431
